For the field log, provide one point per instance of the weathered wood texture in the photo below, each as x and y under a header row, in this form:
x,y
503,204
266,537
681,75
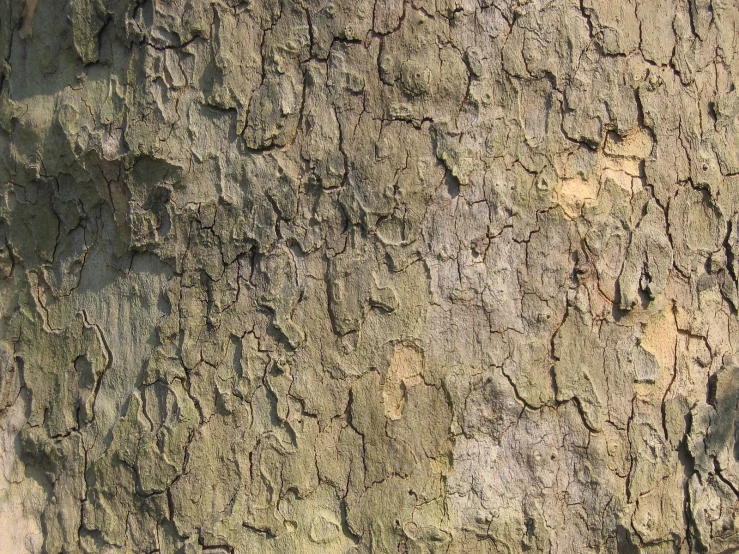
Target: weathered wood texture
x,y
369,276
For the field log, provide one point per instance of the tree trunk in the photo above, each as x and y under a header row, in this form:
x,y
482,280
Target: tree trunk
x,y
369,276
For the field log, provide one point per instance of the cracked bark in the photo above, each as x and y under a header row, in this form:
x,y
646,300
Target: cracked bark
x,y
413,276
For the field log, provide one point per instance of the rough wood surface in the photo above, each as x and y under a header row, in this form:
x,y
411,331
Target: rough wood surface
x,y
369,276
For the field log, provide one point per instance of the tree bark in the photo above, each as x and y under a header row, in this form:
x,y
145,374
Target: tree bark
x,y
369,276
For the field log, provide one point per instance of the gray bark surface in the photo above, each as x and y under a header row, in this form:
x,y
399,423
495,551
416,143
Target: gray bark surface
x,y
369,276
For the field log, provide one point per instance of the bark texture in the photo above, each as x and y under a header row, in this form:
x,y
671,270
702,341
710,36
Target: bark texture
x,y
369,276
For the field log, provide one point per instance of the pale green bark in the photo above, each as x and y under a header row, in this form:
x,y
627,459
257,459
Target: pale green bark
x,y
369,276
